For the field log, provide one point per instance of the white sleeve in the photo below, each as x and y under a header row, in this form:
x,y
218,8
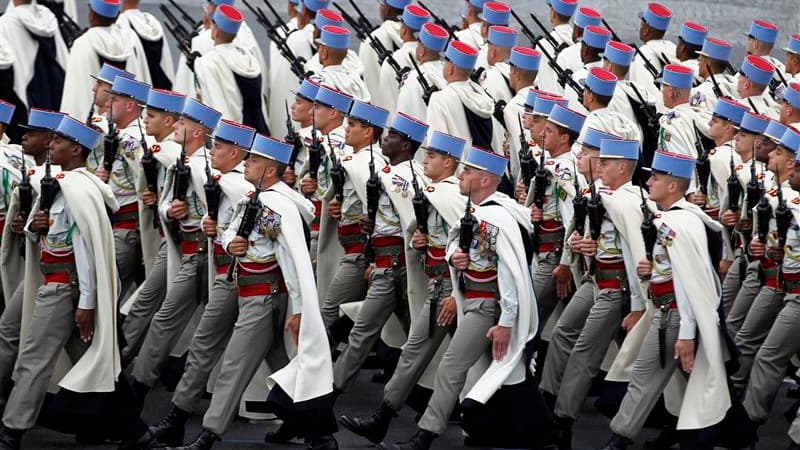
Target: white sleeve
x,y
233,227
688,325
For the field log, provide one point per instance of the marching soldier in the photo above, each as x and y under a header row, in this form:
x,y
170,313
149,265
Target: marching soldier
x,y
74,308
35,143
761,39
125,106
493,14
104,42
413,99
395,272
151,36
494,295
752,86
333,47
472,33
790,106
498,50
411,22
779,345
182,209
301,111
713,61
437,317
690,42
570,57
271,262
229,77
98,111
551,209
793,58
681,126
39,86
601,88
656,50
683,332
592,45
163,112
524,66
231,141
365,125
619,295
388,34
565,35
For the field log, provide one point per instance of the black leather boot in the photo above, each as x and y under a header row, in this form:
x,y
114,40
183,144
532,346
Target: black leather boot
x,y
327,442
10,439
374,426
171,429
420,441
666,439
204,441
282,435
616,442
563,433
141,390
143,442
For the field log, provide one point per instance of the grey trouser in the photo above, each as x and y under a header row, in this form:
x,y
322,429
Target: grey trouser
x,y
169,321
565,333
420,348
10,322
544,285
744,298
208,342
602,326
772,360
731,284
386,295
348,285
151,294
794,429
755,328
128,254
648,378
469,343
257,334
52,328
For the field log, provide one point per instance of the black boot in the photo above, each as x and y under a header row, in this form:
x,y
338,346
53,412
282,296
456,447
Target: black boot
x,y
204,441
143,442
563,433
141,390
793,445
171,429
420,441
10,439
282,435
666,439
616,442
374,426
327,442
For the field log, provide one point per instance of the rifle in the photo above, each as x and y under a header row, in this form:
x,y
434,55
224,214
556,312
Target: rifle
x,y
451,29
734,193
540,182
427,89
251,212
314,151
703,165
180,186
419,202
527,31
579,204
466,229
292,136
179,32
25,192
150,170
783,220
193,24
373,195
764,214
717,89
556,46
110,142
527,164
595,211
90,114
278,17
564,75
363,22
365,34
49,188
649,231
336,173
296,64
647,110
647,64
70,30
754,188
212,190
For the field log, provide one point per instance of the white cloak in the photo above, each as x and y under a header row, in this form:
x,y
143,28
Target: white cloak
x,y
446,112
388,33
147,27
546,79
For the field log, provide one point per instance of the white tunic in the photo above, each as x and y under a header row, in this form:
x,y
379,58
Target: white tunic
x,y
148,28
496,82
446,112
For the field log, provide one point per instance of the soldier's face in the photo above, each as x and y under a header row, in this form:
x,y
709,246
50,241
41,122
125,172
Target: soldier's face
x,y
552,137
794,179
786,112
702,62
764,146
301,109
537,131
659,186
587,158
355,133
61,150
745,144
434,164
322,115
36,142
527,121
469,179
101,95
778,159
221,154
254,167
792,63
392,144
155,122
717,127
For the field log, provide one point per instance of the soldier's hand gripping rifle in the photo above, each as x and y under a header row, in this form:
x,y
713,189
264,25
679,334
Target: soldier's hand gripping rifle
x,y
703,165
783,220
717,90
110,142
466,233
252,211
292,136
754,192
373,195
427,89
649,231
764,213
541,179
150,170
595,211
314,151
212,190
25,192
647,64
579,205
527,164
336,173
734,194
180,186
49,188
